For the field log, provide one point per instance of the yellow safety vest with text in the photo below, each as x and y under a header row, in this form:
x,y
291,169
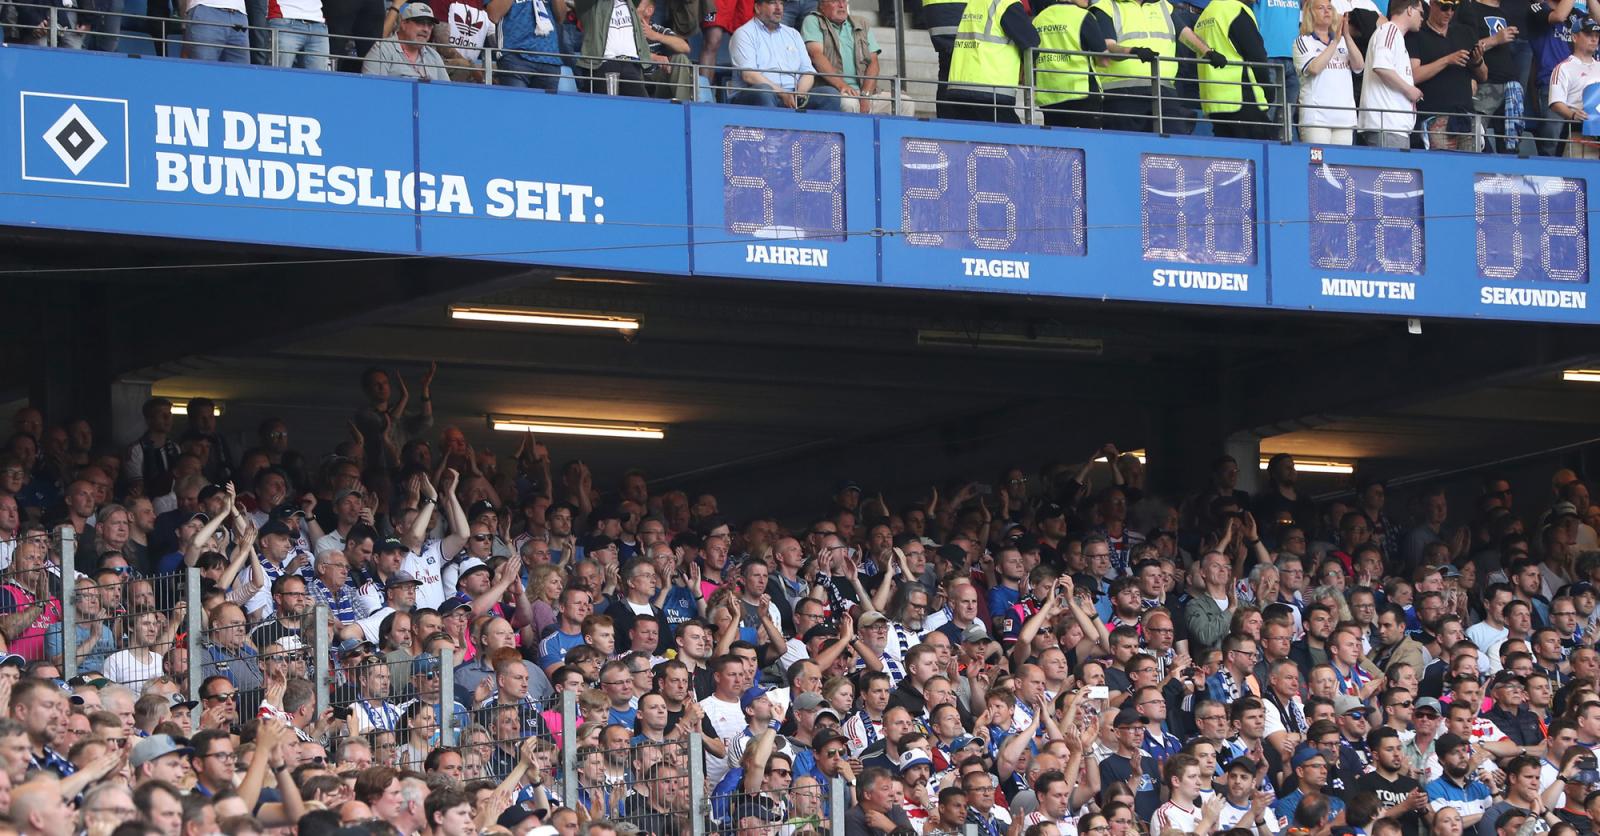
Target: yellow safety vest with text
x,y
1061,78
1139,24
1226,89
985,58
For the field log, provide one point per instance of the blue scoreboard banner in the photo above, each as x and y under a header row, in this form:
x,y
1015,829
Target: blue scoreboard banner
x,y
183,149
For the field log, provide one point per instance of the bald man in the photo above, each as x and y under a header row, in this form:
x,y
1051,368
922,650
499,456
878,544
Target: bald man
x,y
38,808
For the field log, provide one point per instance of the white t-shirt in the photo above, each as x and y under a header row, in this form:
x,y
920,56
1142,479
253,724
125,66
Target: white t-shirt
x,y
1485,635
619,37
1170,816
122,668
1386,108
1570,77
370,624
427,567
728,719
1327,99
299,10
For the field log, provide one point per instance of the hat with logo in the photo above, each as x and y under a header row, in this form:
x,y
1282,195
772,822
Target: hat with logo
x,y
1305,754
287,510
482,506
275,526
809,702
1428,704
755,692
913,758
1589,27
391,544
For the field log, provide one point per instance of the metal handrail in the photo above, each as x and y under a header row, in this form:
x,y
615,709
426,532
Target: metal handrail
x,y
1538,134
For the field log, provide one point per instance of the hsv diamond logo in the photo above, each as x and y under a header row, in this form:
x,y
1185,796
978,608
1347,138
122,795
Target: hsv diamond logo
x,y
74,139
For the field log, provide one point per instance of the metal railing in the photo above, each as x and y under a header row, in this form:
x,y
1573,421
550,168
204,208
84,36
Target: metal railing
x,y
1164,98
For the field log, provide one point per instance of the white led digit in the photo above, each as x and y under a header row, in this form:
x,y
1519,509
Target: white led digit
x,y
1180,249
976,230
1345,218
1547,187
1498,184
744,181
1241,214
830,187
941,166
1407,226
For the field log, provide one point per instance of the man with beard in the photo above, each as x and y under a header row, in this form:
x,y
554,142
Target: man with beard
x,y
292,609
1312,650
1454,788
1281,495
1397,791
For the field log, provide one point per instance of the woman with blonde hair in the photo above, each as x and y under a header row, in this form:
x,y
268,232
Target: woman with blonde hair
x,y
1327,57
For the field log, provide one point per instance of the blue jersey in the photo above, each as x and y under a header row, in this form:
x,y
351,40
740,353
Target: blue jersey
x,y
553,648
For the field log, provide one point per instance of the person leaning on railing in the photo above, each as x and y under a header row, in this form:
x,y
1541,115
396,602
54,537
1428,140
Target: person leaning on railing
x,y
1567,85
1234,96
846,59
1146,31
1447,61
771,64
1064,84
1326,56
613,44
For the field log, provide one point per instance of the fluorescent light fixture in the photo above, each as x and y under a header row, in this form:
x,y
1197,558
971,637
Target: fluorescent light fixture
x,y
1316,466
525,316
182,408
1010,342
569,426
1581,375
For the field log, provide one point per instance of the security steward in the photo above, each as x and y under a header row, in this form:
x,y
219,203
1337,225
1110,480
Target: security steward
x,y
1065,86
1235,97
942,18
1145,30
991,42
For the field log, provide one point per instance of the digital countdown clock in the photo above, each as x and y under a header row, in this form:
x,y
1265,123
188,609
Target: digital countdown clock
x,y
1365,219
1531,228
1018,199
1197,210
783,184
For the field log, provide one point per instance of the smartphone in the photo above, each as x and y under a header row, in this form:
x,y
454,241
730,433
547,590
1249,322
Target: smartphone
x,y
1099,692
983,490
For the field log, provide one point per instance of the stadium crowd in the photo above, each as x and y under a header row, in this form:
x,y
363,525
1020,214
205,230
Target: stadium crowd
x,y
1501,76
1060,652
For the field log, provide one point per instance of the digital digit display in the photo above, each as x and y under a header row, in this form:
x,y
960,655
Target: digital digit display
x,y
1197,210
1023,199
1531,228
1365,219
783,184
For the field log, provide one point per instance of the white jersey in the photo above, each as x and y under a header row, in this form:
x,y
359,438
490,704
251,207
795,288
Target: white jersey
x,y
1383,107
428,567
1170,816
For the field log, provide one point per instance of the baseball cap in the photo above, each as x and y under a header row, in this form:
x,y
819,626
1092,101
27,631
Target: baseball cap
x,y
1049,511
155,746
1242,762
847,485
482,506
952,553
1449,571
595,543
1589,27
870,619
275,526
755,692
1128,717
201,516
808,702
821,631
340,494
1448,742
824,737
1428,704
287,510
1344,704
1305,754
427,663
16,660
1567,509
402,577
350,647
912,759
209,491
515,814
178,701
1507,677
826,711
451,604
391,544
976,633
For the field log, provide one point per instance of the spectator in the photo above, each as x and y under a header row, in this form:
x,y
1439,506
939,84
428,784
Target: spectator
x,y
671,75
1144,30
528,32
299,38
1388,95
1567,84
613,44
1551,25
772,64
406,54
845,55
